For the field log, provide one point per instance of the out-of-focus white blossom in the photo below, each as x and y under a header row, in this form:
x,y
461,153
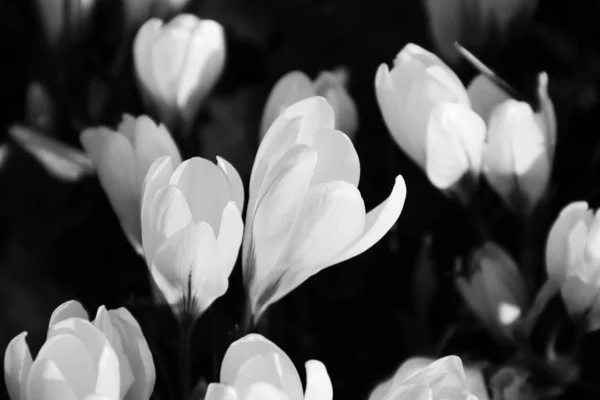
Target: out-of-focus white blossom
x,y
64,20
305,212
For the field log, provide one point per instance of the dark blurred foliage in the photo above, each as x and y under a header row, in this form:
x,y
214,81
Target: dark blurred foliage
x,y
61,240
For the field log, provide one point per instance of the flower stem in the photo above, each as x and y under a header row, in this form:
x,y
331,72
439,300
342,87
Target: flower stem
x,y
247,324
186,328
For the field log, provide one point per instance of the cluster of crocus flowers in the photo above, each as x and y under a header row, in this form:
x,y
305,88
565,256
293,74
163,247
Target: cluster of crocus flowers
x,y
495,291
122,158
305,212
177,64
255,368
424,378
573,261
192,229
104,359
449,132
296,85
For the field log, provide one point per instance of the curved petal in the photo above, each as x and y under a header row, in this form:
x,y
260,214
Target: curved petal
x,y
546,117
579,296
318,384
127,127
332,216
378,222
205,189
68,309
17,364
157,178
289,89
346,112
219,391
485,96
142,55
445,372
337,158
231,232
253,345
557,247
264,391
235,182
277,211
47,382
71,361
103,357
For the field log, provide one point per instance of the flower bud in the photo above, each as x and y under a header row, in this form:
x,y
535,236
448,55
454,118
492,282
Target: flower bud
x,y
177,64
106,359
255,368
427,110
305,212
122,159
573,260
64,20
192,229
496,291
295,86
39,110
422,377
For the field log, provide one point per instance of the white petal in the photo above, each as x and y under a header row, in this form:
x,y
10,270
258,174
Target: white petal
x,y
546,117
205,189
17,364
485,95
455,138
378,222
68,309
337,157
230,236
235,182
47,382
219,391
318,384
557,249
142,55
264,391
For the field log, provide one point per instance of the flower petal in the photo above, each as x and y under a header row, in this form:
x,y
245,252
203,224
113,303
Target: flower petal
x,y
318,384
230,236
557,250
455,138
47,382
445,372
205,189
17,364
378,222
242,350
68,309
264,391
337,158
485,96
104,359
219,391
142,53
235,182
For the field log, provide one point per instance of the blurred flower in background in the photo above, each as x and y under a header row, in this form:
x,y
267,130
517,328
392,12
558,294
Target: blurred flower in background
x,y
255,368
573,260
108,358
427,110
64,21
495,291
425,378
305,212
296,85
473,23
192,229
122,159
177,64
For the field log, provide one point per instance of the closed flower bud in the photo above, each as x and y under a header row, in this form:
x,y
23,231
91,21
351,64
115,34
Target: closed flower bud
x,y
519,152
496,291
305,212
64,20
295,86
255,368
424,378
106,359
573,260
427,110
192,229
177,64
122,159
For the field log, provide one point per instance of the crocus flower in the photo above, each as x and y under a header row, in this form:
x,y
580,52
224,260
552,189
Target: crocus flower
x,y
122,159
177,64
296,85
192,229
255,368
64,20
427,110
473,23
305,212
106,359
573,260
496,290
518,154
424,378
